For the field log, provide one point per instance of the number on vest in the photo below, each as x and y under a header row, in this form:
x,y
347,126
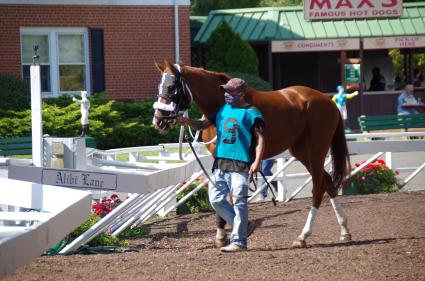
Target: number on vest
x,y
230,129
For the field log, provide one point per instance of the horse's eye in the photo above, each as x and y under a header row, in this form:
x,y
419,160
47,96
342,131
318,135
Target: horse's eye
x,y
171,88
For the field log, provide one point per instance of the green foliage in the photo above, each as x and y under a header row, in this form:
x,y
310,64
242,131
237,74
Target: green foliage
x,y
136,232
280,3
198,203
376,177
112,124
203,7
227,52
102,239
397,58
254,81
14,93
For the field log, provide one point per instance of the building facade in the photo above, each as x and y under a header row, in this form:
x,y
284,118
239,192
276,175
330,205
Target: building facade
x,y
293,50
94,45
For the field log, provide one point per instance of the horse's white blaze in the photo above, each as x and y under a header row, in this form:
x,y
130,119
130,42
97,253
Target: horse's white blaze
x,y
340,215
164,106
166,81
308,227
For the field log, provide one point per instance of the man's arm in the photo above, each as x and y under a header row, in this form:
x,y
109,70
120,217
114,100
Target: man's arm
x,y
352,95
259,151
195,124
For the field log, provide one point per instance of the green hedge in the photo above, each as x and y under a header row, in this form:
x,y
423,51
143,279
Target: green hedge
x,y
14,93
112,124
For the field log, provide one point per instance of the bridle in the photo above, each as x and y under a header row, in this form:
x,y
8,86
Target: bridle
x,y
178,96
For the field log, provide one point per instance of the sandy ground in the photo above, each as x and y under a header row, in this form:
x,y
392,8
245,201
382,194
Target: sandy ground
x,y
388,244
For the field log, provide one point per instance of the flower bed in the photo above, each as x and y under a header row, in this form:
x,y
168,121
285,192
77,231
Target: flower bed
x,y
376,177
198,203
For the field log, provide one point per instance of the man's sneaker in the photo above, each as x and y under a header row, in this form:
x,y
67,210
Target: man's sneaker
x,y
231,248
252,225
221,238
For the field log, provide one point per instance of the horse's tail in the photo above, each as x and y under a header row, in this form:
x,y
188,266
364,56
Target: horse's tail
x,y
340,156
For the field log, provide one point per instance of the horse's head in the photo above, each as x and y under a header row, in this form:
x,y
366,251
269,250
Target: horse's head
x,y
174,97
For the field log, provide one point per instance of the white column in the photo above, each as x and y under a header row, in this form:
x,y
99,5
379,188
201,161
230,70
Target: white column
x,y
281,185
176,30
389,159
36,117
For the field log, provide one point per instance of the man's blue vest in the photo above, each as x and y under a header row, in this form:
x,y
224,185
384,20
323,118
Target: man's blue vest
x,y
234,132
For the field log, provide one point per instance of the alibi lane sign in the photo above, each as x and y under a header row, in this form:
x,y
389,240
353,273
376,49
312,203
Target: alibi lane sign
x,y
340,9
79,179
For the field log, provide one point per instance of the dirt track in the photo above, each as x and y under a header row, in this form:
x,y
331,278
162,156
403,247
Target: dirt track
x,y
388,244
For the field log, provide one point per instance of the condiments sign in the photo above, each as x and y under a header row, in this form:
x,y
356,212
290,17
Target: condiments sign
x,y
340,9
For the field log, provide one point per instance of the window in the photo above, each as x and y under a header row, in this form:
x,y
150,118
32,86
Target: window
x,y
28,42
63,59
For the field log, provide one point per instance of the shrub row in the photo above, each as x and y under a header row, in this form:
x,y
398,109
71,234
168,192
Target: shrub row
x,y
112,124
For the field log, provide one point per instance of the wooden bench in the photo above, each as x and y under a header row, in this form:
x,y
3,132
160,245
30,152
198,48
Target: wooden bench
x,y
16,146
391,122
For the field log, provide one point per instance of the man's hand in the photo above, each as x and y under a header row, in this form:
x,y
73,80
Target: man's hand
x,y
183,121
255,167
74,99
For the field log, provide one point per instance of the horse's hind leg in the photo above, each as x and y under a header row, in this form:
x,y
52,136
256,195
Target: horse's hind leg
x,y
299,150
339,211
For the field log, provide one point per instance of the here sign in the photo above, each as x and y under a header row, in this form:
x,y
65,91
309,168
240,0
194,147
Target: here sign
x,y
340,9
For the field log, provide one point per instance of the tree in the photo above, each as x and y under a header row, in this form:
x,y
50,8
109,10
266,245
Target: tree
x,y
227,52
203,7
282,3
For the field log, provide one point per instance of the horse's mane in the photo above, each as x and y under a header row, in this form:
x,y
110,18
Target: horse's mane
x,y
221,75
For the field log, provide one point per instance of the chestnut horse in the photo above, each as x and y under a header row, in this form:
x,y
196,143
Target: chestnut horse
x,y
297,118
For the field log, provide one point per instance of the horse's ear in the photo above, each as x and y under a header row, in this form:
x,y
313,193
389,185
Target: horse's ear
x,y
159,66
171,67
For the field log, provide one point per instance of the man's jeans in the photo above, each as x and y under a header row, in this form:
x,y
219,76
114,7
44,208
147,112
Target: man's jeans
x,y
236,215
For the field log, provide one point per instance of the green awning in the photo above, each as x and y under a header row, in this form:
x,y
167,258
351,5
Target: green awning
x,y
196,23
288,23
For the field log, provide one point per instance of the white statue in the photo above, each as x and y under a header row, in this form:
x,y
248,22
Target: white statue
x,y
85,105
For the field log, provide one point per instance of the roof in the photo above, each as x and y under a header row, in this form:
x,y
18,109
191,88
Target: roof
x,y
288,23
196,23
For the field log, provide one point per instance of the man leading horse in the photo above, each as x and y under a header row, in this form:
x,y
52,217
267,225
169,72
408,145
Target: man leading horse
x,y
239,151
299,119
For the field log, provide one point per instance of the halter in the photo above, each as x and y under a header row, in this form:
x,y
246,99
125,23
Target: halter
x,y
179,99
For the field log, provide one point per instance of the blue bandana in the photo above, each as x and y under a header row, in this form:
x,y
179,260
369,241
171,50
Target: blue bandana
x,y
231,99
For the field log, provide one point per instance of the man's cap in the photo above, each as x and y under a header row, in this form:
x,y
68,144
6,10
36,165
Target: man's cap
x,y
339,87
233,85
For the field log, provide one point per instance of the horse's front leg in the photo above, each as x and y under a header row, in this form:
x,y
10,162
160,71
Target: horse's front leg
x,y
342,220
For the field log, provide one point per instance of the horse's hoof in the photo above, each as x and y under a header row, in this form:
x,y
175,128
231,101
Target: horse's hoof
x,y
299,244
345,237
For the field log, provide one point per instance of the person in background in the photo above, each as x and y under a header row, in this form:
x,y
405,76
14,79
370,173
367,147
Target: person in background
x,y
378,81
418,78
406,97
266,168
399,82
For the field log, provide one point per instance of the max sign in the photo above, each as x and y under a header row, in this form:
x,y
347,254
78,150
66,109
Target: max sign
x,y
339,9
